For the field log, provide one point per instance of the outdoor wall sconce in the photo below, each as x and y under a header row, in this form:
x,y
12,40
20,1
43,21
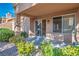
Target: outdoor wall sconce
x,y
48,21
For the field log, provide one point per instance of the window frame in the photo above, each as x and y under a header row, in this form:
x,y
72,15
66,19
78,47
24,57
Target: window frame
x,y
62,21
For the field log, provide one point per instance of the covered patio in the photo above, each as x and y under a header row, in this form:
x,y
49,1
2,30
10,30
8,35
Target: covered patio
x,y
40,20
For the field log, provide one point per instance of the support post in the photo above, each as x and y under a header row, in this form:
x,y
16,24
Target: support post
x,y
17,25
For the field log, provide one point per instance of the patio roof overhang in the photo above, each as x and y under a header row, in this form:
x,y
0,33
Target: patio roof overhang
x,y
44,9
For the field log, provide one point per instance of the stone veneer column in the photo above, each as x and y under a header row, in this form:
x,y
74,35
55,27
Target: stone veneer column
x,y
17,24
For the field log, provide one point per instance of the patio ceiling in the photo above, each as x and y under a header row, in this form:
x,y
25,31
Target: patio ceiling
x,y
48,8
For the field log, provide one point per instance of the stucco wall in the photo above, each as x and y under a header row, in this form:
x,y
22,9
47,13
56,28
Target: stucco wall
x,y
77,24
23,6
26,24
32,25
6,25
49,26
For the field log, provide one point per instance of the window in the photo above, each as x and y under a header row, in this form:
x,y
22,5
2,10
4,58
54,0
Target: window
x,y
68,23
57,24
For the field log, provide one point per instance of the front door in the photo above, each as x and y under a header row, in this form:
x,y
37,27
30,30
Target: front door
x,y
43,27
40,27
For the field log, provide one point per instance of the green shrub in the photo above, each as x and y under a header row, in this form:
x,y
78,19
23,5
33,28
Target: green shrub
x,y
21,48
66,51
24,34
70,51
16,39
25,48
57,51
5,34
46,48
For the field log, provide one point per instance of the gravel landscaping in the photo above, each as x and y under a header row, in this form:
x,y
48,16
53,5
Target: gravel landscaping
x,y
8,49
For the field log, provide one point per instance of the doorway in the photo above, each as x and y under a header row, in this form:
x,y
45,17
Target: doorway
x,y
44,27
40,27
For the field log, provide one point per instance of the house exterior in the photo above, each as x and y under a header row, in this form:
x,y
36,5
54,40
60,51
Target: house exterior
x,y
59,21
7,22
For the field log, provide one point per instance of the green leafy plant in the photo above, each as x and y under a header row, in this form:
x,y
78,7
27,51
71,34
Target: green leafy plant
x,y
25,48
70,51
21,48
24,34
16,39
57,51
46,48
5,34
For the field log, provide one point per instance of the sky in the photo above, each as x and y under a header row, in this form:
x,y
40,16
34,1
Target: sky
x,y
5,8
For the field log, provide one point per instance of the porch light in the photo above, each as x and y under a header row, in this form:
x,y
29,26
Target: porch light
x,y
48,21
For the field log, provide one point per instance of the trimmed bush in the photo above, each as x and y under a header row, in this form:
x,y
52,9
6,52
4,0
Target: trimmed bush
x,y
24,34
5,34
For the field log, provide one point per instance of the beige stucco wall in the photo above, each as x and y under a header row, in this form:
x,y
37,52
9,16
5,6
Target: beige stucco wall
x,y
25,24
32,25
8,25
23,6
49,26
77,24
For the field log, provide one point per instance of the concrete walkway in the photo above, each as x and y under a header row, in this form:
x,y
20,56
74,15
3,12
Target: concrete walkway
x,y
8,49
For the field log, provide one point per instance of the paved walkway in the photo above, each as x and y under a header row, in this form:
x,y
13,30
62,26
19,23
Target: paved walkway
x,y
8,49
